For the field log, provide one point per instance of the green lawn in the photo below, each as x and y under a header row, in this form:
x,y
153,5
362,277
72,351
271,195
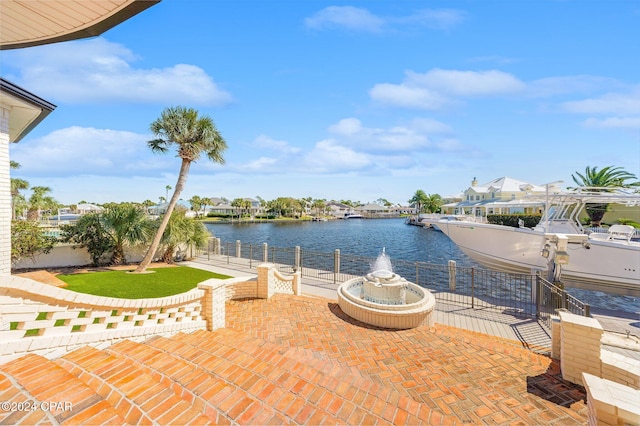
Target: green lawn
x,y
162,282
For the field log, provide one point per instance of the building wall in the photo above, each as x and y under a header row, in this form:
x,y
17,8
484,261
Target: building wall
x,y
5,195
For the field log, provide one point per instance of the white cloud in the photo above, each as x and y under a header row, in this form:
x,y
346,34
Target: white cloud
x,y
430,126
359,19
403,95
97,70
262,164
85,150
437,88
440,19
466,83
407,138
554,86
328,156
349,17
610,103
613,123
266,142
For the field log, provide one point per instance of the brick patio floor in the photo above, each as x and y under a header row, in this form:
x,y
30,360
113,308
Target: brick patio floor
x,y
460,375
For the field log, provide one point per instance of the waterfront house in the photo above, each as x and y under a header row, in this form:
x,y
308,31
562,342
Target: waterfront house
x,y
338,210
503,195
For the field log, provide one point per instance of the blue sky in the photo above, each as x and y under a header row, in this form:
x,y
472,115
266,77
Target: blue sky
x,y
339,100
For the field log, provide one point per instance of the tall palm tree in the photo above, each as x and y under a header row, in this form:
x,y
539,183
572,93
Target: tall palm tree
x,y
193,135
599,180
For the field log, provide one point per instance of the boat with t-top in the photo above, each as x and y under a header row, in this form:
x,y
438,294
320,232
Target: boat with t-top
x,y
559,244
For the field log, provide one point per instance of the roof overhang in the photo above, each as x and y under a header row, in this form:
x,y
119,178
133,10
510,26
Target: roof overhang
x,y
26,23
26,109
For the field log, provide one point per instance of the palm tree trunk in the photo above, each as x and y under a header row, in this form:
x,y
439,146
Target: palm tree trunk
x,y
182,179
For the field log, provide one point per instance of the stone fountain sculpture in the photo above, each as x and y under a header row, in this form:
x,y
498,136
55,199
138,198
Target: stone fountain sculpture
x,y
385,299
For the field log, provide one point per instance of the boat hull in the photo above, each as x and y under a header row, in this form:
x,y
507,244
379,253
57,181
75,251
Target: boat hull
x,y
599,265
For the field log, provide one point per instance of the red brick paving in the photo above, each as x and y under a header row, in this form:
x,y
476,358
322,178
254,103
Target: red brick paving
x,y
455,373
298,360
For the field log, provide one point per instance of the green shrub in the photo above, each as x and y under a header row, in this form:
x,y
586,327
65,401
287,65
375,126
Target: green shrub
x,y
631,222
28,240
219,215
530,220
265,216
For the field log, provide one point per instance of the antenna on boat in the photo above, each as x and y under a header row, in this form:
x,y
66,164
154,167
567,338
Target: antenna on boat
x,y
546,202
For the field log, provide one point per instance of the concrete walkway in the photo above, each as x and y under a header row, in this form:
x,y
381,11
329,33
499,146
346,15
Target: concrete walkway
x,y
524,332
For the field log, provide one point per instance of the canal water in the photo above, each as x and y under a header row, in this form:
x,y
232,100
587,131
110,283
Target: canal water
x,y
367,237
360,237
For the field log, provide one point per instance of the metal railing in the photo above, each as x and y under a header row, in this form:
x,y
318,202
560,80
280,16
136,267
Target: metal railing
x,y
550,298
521,295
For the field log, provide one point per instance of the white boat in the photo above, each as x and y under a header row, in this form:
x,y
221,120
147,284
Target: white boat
x,y
431,220
604,261
352,216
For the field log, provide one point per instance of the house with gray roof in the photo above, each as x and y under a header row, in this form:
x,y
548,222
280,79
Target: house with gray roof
x,y
503,195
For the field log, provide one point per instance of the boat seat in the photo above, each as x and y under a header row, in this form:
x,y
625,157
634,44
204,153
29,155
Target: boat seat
x,y
621,232
600,236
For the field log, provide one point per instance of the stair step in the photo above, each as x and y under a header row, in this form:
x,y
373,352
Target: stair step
x,y
136,396
268,372
53,395
205,389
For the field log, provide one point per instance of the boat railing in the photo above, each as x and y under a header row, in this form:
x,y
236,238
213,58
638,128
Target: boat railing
x,y
605,231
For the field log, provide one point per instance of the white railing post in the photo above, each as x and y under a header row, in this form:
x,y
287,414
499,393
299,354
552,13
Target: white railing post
x,y
452,275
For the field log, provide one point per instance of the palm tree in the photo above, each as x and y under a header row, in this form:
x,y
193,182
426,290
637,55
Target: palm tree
x,y
196,204
205,202
40,200
127,225
433,204
182,230
319,206
419,199
193,136
237,203
167,189
599,180
17,185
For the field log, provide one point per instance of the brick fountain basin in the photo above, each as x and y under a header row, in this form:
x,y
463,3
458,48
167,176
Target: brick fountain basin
x,y
384,299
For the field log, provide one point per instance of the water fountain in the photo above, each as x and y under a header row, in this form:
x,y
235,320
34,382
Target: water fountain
x,y
385,299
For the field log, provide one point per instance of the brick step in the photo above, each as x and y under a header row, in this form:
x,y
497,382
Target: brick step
x,y
45,393
303,393
136,396
206,390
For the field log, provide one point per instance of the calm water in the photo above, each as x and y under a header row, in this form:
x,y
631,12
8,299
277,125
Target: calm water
x,y
367,237
361,237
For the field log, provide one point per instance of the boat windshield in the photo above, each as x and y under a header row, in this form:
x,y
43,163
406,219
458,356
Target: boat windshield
x,y
564,209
